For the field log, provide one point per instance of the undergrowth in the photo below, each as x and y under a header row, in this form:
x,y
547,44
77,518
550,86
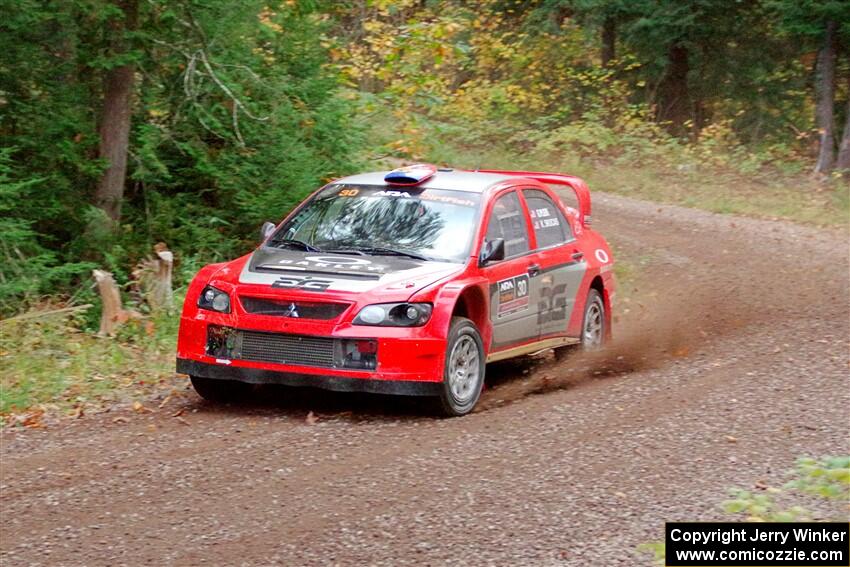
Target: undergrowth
x,y
637,160
52,363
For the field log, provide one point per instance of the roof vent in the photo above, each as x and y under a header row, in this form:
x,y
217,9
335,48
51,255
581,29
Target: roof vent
x,y
410,175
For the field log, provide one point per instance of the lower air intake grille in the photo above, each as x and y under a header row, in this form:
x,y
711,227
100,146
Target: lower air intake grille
x,y
286,349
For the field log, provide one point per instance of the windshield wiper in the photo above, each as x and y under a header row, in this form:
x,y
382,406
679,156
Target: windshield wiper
x,y
293,243
353,251
384,251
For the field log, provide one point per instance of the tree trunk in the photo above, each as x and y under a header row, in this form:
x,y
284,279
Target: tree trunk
x,y
609,40
673,103
825,88
843,161
114,126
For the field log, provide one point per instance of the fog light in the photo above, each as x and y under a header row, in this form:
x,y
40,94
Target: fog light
x,y
361,354
220,341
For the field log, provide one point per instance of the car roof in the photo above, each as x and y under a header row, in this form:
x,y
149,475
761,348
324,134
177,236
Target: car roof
x,y
450,180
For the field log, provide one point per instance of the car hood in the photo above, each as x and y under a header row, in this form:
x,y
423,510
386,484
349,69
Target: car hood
x,y
321,271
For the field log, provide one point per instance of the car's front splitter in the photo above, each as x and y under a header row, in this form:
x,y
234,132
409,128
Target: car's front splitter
x,y
336,383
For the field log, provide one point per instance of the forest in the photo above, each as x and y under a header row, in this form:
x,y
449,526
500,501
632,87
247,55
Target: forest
x,y
127,123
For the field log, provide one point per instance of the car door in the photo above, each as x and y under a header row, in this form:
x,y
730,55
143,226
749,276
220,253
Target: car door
x,y
560,261
513,301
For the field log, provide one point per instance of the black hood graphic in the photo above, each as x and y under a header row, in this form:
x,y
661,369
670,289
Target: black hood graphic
x,y
276,260
342,272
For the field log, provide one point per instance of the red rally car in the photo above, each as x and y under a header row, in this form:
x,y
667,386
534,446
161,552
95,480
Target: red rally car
x,y
403,282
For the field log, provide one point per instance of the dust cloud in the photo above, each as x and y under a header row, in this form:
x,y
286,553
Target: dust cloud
x,y
661,322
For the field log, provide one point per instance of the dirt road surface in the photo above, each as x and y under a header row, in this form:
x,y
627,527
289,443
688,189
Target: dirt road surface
x,y
733,362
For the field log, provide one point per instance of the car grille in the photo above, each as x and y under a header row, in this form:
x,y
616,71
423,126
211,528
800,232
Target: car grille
x,y
285,349
293,309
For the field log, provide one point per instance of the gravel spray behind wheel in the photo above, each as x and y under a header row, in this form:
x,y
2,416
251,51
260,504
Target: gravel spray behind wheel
x,y
665,322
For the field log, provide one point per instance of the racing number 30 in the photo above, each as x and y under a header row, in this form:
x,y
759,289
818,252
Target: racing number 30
x,y
553,304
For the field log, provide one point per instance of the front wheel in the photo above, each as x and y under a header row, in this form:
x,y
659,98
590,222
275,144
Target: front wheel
x,y
220,391
463,374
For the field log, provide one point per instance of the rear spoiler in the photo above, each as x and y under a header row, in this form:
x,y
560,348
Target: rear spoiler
x,y
577,184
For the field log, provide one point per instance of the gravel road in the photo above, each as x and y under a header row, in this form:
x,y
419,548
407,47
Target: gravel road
x,y
733,362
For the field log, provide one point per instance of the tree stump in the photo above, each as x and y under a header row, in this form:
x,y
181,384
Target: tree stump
x,y
154,278
114,314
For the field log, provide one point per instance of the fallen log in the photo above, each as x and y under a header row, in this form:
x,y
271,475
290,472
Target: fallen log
x,y
37,314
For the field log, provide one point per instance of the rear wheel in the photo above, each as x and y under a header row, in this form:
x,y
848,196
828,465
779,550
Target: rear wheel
x,y
463,374
593,329
220,391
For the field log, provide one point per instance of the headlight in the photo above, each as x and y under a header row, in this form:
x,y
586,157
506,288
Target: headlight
x,y
214,300
394,315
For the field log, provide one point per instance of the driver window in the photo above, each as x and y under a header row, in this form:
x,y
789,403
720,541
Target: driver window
x,y
508,221
550,226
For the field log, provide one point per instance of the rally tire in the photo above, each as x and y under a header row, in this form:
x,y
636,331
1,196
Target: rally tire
x,y
220,391
594,325
463,372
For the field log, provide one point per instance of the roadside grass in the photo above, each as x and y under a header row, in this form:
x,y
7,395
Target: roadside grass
x,y
663,172
48,364
793,196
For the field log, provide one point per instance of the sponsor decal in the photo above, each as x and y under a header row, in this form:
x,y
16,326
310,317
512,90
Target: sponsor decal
x,y
446,199
307,284
403,194
368,192
553,304
333,262
513,295
602,256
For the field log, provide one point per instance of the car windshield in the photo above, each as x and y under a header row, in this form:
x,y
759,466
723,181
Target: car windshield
x,y
421,223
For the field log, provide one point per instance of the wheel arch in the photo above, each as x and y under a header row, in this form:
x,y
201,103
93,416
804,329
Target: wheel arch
x,y
598,283
472,303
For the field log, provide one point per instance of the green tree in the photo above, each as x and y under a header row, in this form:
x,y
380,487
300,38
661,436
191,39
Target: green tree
x,y
824,24
225,113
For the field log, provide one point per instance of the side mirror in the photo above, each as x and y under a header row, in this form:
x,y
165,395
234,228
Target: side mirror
x,y
492,251
266,230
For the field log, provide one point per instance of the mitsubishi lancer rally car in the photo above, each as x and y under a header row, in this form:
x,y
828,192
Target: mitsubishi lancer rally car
x,y
403,282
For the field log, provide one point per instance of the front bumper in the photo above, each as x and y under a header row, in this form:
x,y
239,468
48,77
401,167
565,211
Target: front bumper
x,y
409,360
325,382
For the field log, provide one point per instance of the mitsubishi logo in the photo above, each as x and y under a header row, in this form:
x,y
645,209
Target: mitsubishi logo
x,y
292,311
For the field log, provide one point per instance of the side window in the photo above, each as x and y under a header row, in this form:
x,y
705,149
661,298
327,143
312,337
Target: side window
x,y
550,226
508,221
